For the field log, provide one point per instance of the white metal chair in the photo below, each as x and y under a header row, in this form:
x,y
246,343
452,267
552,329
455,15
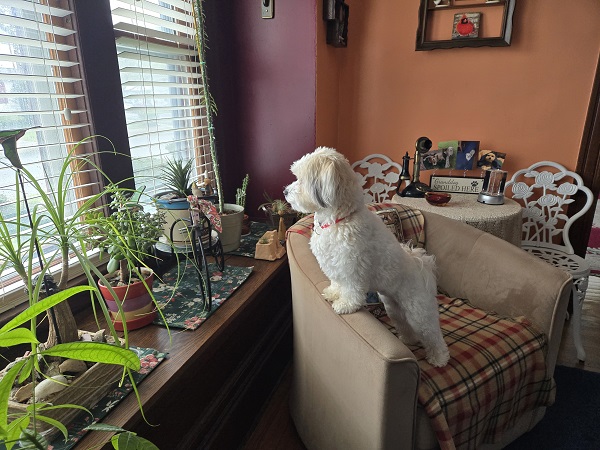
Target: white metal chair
x,y
379,176
545,190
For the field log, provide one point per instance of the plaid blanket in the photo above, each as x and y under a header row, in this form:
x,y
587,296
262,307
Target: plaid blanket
x,y
406,223
497,371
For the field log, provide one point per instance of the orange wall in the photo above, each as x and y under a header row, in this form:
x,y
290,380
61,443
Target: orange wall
x,y
528,100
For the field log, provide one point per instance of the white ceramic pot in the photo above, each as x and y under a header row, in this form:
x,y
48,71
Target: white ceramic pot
x,y
232,227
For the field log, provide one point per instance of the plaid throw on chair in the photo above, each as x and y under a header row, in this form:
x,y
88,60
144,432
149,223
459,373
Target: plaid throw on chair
x,y
406,222
497,371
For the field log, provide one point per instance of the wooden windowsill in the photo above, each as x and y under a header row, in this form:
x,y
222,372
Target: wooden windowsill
x,y
186,392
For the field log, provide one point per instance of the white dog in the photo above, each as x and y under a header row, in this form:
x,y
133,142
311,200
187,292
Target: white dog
x,y
359,254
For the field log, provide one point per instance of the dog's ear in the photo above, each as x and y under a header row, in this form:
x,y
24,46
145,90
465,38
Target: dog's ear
x,y
330,182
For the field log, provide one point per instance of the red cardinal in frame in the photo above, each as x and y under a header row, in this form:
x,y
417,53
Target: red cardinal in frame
x,y
464,26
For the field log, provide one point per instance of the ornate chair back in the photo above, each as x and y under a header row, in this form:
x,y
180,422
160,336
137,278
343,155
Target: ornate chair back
x,y
379,176
545,190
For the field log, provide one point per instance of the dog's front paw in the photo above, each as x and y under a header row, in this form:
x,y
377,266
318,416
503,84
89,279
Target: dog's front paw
x,y
331,293
438,357
341,307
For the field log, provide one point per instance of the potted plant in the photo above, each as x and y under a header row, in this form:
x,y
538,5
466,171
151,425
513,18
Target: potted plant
x,y
278,212
177,176
232,214
23,424
50,224
128,235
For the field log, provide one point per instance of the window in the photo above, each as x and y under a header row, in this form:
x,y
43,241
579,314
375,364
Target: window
x,y
40,88
162,86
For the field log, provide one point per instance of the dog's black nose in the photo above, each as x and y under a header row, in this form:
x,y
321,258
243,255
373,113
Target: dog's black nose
x,y
285,192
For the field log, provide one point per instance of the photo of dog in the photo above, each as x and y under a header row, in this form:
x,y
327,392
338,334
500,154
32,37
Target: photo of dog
x,y
439,159
358,253
490,160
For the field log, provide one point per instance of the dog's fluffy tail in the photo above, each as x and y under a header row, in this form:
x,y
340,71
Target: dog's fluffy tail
x,y
427,261
428,265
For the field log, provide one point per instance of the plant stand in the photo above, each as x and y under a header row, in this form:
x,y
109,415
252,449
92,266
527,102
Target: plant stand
x,y
204,242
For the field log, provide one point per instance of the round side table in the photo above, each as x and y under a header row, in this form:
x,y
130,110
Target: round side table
x,y
503,221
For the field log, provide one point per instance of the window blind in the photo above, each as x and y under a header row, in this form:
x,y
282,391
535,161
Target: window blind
x,y
41,89
162,87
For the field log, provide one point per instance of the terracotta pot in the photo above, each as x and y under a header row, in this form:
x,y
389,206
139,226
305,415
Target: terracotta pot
x,y
136,301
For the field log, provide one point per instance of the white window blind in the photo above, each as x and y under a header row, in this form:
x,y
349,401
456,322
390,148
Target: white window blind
x,y
40,88
162,87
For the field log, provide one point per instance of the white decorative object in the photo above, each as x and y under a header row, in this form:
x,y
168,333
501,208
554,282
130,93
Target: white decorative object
x,y
381,179
50,386
545,189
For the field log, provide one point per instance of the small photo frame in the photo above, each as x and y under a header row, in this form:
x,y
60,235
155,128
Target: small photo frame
x,y
336,13
467,155
460,185
466,25
439,159
489,159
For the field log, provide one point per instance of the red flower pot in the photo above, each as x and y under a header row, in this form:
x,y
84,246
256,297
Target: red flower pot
x,y
135,300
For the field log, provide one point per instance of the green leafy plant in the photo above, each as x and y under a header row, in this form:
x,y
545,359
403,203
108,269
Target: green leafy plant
x,y
240,194
51,224
178,176
276,206
11,334
128,234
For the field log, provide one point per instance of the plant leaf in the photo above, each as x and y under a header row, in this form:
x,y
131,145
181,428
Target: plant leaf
x,y
54,423
99,426
26,371
6,384
16,337
43,305
14,431
96,352
8,139
130,441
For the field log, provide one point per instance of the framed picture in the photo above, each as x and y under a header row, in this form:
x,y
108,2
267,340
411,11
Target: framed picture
x,y
466,25
460,185
336,13
467,155
489,159
439,159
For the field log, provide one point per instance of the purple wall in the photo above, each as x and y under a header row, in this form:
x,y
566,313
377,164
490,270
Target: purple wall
x,y
262,77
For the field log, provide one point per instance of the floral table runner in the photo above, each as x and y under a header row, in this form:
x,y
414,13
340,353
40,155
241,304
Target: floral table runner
x,y
184,306
149,359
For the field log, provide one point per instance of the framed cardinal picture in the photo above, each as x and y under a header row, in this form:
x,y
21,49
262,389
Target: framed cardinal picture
x,y
466,25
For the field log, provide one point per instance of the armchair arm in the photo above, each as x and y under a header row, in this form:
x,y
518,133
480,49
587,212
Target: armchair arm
x,y
335,354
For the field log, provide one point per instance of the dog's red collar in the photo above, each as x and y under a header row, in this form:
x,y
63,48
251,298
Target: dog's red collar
x,y
328,224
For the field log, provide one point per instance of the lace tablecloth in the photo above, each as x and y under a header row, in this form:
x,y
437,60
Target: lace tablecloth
x,y
503,221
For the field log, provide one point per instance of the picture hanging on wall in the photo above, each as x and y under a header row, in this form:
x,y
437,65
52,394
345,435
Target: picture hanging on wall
x,y
466,25
489,159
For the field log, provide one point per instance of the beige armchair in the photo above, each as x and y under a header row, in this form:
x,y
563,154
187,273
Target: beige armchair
x,y
355,384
